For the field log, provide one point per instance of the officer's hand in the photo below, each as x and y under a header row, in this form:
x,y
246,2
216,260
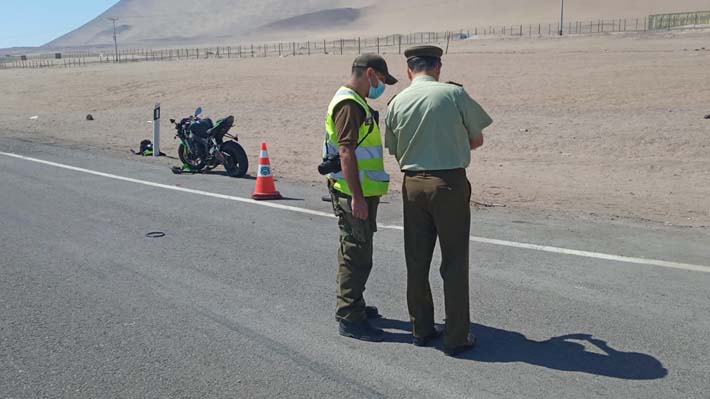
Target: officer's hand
x,y
476,142
359,208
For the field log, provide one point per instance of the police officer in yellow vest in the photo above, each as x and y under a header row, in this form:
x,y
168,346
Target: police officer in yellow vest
x,y
354,165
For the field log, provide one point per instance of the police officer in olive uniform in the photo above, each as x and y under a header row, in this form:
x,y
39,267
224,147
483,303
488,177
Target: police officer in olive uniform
x,y
354,164
431,129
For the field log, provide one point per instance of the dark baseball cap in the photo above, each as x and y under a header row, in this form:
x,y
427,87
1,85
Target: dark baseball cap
x,y
377,63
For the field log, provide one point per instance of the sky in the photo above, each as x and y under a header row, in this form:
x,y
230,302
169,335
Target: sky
x,y
31,23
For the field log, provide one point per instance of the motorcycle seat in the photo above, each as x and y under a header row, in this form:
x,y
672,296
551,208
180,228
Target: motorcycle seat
x,y
222,127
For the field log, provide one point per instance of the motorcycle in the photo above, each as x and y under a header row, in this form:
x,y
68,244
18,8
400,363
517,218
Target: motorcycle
x,y
202,145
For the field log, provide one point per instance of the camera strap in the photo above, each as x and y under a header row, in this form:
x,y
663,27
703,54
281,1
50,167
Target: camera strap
x,y
372,128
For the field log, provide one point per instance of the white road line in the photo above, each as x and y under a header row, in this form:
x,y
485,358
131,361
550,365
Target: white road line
x,y
482,240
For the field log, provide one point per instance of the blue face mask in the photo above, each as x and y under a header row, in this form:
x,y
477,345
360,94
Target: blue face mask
x,y
376,92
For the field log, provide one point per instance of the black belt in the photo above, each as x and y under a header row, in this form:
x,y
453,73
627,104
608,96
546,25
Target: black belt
x,y
445,172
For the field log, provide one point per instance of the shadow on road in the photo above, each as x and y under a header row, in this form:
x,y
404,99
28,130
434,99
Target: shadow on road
x,y
224,173
495,345
214,172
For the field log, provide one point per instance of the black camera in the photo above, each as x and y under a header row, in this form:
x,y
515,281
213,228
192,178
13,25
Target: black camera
x,y
330,164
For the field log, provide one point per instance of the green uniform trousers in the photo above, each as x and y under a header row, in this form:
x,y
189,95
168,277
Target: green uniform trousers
x,y
354,255
437,203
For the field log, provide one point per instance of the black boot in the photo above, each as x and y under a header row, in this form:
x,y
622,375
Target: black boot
x,y
424,341
469,344
363,331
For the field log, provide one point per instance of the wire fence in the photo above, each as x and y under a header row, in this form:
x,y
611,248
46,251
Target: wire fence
x,y
683,19
395,43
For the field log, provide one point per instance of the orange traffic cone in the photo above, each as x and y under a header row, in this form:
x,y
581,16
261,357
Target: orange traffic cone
x,y
265,188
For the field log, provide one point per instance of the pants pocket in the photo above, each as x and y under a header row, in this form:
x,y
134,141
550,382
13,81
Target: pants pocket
x,y
359,230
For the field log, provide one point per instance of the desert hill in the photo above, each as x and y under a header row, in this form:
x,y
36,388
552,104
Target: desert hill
x,y
179,22
164,22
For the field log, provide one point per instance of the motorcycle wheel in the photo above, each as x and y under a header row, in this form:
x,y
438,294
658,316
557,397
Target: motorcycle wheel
x,y
194,162
236,162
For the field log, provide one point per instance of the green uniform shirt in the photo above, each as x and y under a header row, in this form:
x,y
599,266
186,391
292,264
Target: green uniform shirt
x,y
429,125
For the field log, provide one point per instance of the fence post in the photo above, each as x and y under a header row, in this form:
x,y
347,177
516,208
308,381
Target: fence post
x,y
252,51
399,37
341,46
325,48
359,49
378,44
308,46
448,39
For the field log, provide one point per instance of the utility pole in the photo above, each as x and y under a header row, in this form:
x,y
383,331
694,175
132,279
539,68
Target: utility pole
x,y
115,42
562,16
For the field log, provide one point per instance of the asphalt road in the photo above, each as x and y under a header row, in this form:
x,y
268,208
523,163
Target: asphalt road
x,y
237,300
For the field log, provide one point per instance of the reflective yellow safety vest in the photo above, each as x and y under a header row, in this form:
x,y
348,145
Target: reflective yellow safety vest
x,y
370,160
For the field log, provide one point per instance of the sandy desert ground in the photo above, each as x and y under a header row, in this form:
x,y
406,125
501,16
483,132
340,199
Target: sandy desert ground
x,y
598,126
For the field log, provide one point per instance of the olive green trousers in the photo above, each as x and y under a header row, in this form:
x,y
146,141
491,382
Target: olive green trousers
x,y
354,255
437,205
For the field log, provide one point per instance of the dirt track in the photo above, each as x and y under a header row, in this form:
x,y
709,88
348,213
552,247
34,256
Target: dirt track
x,y
606,126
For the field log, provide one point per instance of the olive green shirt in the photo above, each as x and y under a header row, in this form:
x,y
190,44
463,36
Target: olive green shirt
x,y
429,125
